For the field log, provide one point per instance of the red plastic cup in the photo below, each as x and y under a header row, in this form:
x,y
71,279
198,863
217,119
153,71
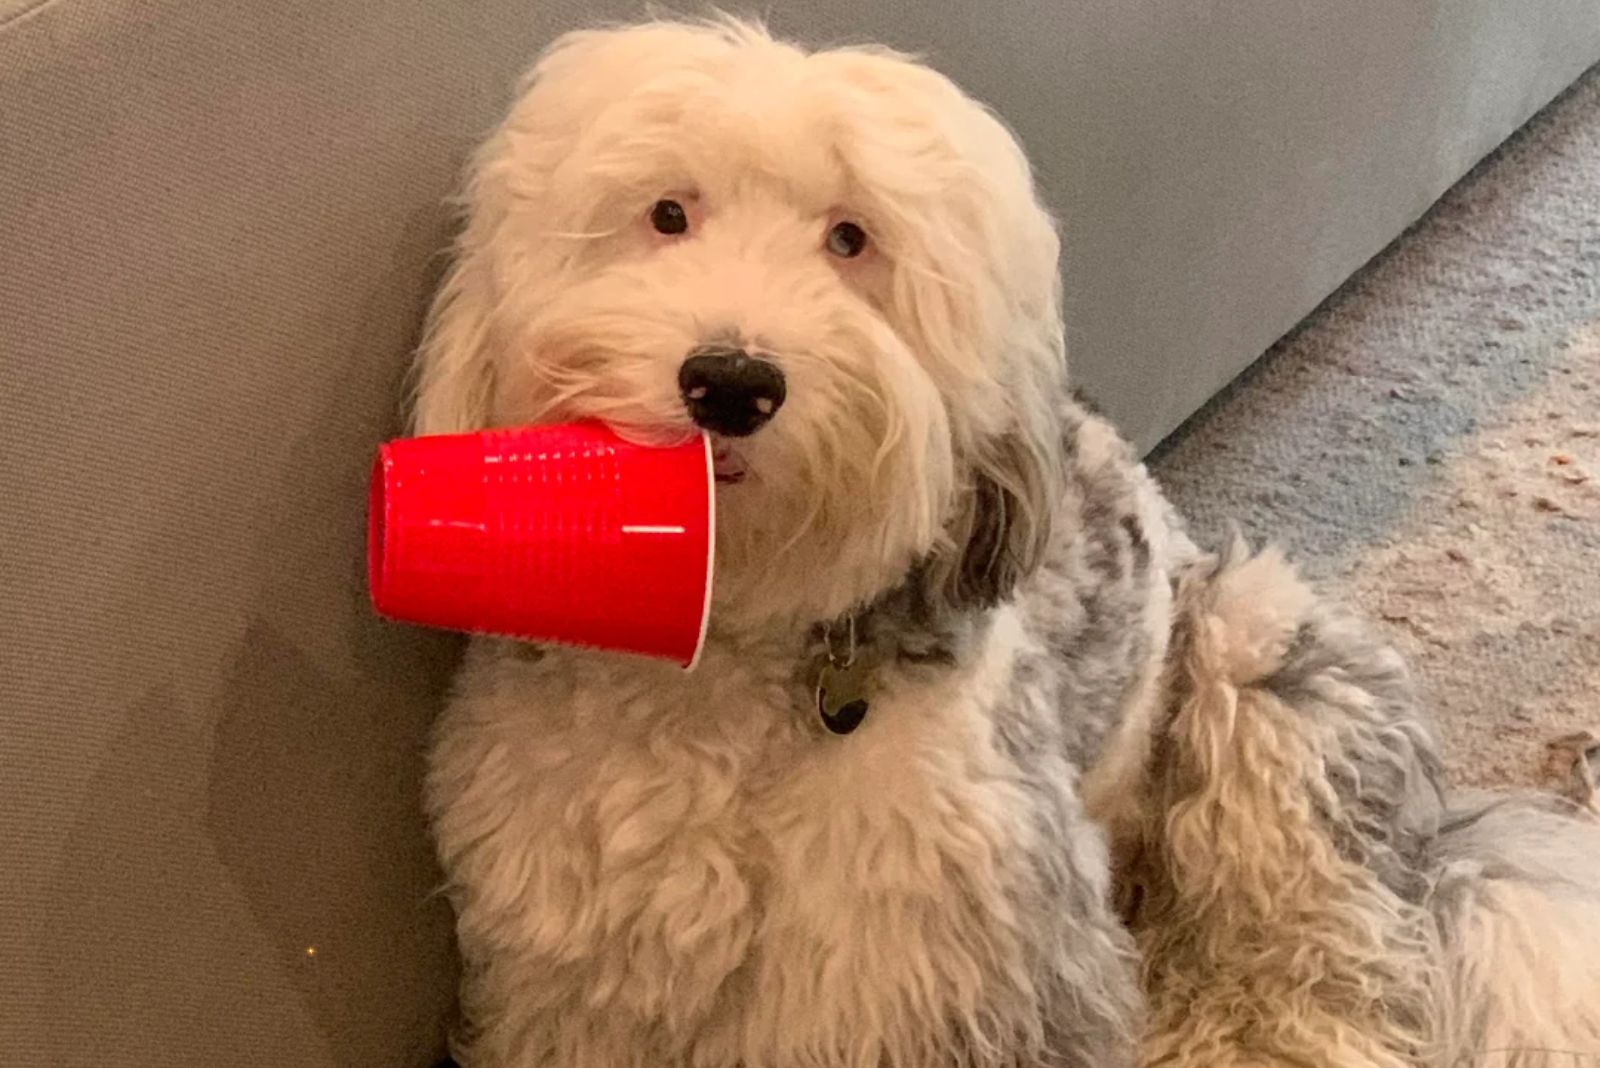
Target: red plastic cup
x,y
552,533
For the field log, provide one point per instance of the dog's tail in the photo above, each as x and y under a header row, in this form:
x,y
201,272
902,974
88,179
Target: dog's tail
x,y
1281,872
1518,905
1309,894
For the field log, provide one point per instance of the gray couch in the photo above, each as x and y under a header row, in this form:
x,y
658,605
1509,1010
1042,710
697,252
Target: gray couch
x,y
218,227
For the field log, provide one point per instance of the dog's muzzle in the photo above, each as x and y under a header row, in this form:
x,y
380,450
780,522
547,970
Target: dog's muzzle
x,y
728,391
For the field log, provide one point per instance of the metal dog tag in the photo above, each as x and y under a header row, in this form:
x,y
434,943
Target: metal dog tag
x,y
842,696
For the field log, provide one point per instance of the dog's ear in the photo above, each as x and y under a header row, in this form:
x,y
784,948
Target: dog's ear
x,y
1002,524
454,374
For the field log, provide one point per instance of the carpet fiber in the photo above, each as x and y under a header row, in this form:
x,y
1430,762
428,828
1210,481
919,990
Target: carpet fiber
x,y
1427,445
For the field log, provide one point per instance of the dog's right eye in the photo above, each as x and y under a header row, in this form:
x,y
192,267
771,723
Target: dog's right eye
x,y
668,217
847,240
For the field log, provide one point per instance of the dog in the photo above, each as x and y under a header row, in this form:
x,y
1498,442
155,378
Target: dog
x,y
985,764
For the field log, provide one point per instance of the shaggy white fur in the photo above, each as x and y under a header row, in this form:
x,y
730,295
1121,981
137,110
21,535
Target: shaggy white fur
x,y
564,302
653,868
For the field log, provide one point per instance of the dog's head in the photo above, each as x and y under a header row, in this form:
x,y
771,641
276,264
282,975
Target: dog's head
x,y
835,262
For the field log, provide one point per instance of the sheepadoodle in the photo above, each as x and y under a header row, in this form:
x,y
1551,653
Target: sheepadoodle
x,y
985,765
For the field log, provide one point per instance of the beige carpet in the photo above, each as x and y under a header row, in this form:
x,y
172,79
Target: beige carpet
x,y
1428,444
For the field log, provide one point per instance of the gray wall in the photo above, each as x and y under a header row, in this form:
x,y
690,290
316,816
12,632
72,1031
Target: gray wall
x,y
217,228
1220,167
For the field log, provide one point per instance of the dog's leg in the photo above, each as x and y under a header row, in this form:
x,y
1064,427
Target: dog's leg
x,y
1292,796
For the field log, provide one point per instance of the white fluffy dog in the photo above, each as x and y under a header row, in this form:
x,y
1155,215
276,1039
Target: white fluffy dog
x,y
959,645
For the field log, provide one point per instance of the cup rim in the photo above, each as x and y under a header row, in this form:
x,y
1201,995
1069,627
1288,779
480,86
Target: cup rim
x,y
711,551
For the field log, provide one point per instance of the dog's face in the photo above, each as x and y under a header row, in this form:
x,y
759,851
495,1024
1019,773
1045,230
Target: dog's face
x,y
833,262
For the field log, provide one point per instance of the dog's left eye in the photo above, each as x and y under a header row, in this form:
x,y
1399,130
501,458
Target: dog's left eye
x,y
846,239
668,217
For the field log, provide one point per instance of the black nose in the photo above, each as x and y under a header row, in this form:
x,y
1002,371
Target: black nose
x,y
728,391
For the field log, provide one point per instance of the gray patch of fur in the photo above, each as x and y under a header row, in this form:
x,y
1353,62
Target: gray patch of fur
x,y
1084,616
1089,603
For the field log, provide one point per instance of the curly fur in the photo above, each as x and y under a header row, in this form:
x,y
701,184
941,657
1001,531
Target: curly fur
x,y
1308,895
661,869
